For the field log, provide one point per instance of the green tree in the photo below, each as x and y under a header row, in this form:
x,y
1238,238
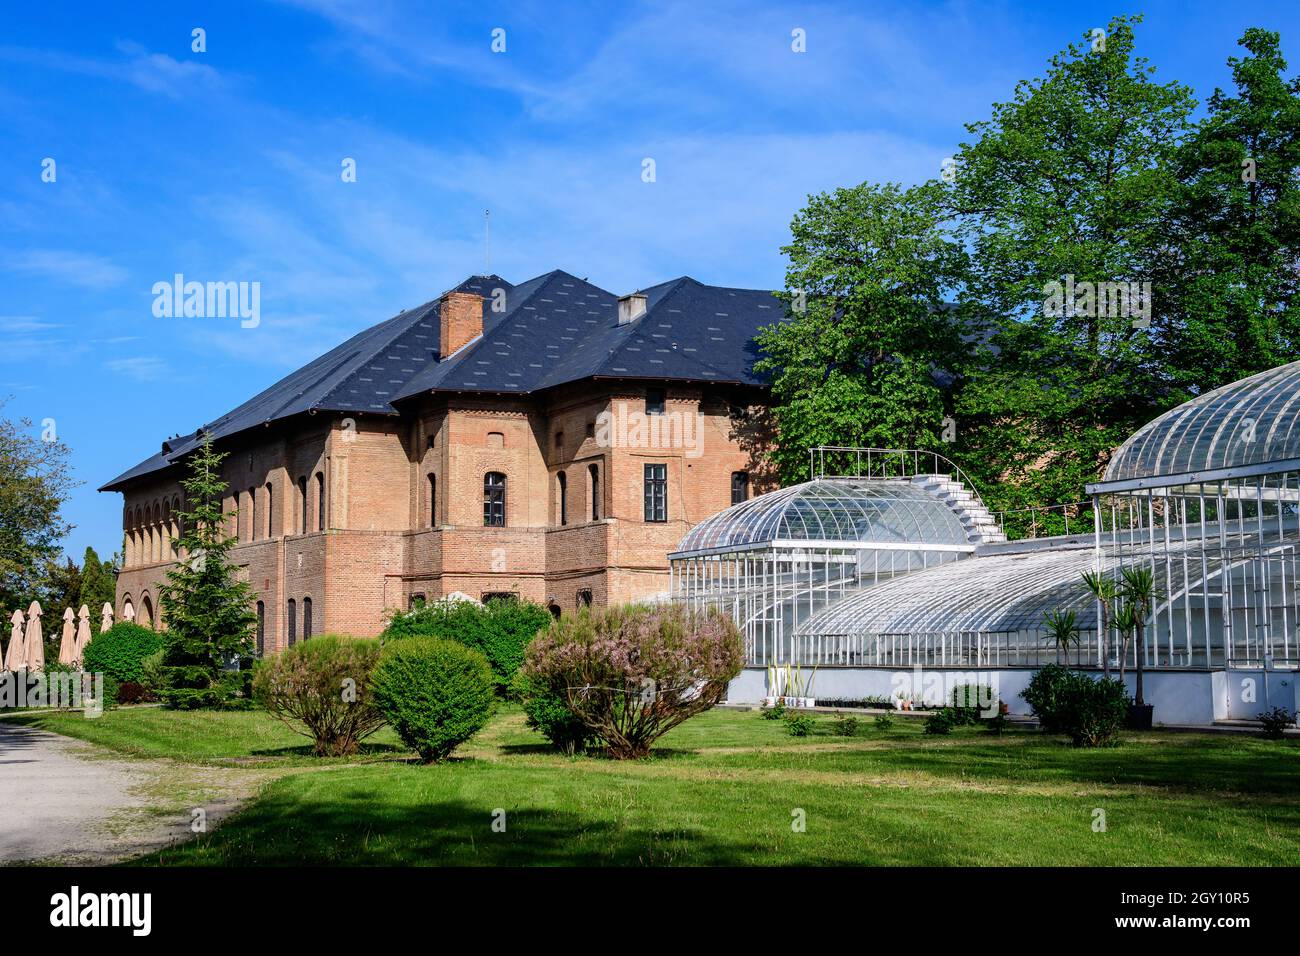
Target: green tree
x,y
863,357
35,481
98,584
207,610
1070,181
1229,283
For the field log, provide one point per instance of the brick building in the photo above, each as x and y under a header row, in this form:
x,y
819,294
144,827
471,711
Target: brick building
x,y
547,440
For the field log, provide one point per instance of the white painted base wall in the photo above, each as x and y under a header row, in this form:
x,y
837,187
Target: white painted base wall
x,y
1177,696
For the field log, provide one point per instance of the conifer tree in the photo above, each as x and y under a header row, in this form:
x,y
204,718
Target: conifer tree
x,y
207,610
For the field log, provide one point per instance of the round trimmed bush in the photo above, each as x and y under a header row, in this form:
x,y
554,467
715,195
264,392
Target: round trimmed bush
x,y
120,652
435,693
321,688
501,630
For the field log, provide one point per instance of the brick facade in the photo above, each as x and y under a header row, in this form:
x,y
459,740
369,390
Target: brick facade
x,y
389,534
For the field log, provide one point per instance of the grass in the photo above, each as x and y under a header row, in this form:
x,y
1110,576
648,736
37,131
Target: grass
x,y
726,788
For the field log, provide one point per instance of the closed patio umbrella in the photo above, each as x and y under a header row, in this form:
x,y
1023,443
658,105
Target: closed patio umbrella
x,y
105,617
35,639
16,655
83,632
68,642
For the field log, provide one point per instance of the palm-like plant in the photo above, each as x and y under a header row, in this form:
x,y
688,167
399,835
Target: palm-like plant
x,y
1062,631
1105,590
1138,590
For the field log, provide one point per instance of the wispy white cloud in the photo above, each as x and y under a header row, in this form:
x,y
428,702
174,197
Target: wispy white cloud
x,y
142,368
74,268
152,72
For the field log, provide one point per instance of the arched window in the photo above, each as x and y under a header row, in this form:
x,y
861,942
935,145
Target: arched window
x,y
293,622
270,511
433,501
146,612
320,501
584,598
739,487
593,481
252,514
494,500
302,505
562,497
261,628
306,618
555,611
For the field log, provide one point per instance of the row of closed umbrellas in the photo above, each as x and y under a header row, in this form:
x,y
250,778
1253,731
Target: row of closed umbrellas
x,y
26,649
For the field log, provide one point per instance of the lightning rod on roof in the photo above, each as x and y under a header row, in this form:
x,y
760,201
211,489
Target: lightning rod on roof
x,y
487,242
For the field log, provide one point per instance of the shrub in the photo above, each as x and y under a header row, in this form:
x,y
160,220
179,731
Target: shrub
x,y
120,651
1276,721
1090,712
548,714
435,693
845,725
1044,695
998,723
321,689
798,725
132,692
775,712
884,721
501,630
972,703
942,721
633,673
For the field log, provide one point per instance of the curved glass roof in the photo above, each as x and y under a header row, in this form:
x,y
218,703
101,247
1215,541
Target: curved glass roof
x,y
992,594
849,511
1247,423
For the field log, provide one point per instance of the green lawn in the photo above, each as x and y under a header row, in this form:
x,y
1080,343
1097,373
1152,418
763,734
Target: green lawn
x,y
725,788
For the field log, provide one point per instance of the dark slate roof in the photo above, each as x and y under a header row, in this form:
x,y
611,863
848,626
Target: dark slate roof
x,y
553,329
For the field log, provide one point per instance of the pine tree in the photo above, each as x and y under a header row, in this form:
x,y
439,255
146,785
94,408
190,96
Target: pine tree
x,y
207,610
98,586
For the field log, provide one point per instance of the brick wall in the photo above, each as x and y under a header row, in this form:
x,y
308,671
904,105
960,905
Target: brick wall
x,y
380,544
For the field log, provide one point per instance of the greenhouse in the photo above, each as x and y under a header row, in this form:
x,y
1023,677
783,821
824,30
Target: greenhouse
x,y
889,559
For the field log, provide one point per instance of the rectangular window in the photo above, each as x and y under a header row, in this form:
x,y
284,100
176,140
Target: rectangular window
x,y
656,492
739,487
654,401
494,500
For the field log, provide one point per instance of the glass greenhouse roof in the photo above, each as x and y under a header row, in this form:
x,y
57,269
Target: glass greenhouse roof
x,y
842,512
1248,423
993,594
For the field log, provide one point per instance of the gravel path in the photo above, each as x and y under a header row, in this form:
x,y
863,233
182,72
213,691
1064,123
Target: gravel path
x,y
64,801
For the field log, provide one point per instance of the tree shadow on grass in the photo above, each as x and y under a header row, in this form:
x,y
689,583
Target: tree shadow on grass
x,y
358,828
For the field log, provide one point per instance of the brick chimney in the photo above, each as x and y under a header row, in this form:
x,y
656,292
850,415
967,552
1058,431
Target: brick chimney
x,y
460,317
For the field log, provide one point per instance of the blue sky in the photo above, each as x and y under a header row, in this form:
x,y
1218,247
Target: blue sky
x,y
225,166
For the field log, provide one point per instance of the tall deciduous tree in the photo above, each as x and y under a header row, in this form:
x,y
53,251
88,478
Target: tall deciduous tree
x,y
1070,182
35,481
871,343
1229,282
207,610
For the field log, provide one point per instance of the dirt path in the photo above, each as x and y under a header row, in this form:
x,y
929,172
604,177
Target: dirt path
x,y
64,801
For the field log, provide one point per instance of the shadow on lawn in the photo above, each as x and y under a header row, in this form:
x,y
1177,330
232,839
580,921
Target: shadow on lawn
x,y
1178,761
357,828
